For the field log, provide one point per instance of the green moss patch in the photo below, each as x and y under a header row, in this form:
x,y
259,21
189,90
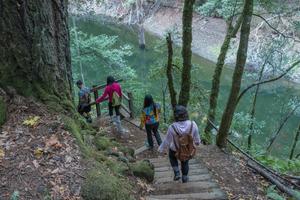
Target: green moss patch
x,y
101,185
103,143
143,169
2,111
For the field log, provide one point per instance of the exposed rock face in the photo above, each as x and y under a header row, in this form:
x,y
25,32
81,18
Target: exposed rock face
x,y
34,46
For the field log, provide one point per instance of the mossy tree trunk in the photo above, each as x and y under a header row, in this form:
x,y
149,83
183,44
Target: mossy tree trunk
x,y
34,48
187,19
169,71
214,94
237,75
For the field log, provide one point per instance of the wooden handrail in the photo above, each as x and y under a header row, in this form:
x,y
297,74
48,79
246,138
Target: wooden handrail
x,y
99,87
128,97
125,96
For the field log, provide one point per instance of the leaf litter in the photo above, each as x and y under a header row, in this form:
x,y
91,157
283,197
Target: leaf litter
x,y
38,158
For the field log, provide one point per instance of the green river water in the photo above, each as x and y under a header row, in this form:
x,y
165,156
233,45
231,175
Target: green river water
x,y
271,97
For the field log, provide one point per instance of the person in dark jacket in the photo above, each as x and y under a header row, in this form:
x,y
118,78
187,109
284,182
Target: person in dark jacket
x,y
84,100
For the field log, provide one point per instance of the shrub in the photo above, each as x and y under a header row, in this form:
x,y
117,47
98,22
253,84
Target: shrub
x,y
143,169
100,185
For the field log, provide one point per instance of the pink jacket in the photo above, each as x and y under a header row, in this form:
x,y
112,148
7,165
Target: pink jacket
x,y
108,91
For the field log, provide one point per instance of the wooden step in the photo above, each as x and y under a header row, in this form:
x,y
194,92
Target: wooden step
x,y
171,173
185,188
215,194
165,163
193,178
167,168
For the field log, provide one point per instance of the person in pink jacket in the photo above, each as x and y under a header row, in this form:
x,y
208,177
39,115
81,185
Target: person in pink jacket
x,y
113,92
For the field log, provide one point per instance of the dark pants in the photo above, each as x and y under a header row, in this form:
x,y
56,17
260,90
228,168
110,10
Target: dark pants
x,y
152,128
111,109
174,164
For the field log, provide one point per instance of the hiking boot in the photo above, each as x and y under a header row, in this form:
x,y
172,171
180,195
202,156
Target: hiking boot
x,y
185,179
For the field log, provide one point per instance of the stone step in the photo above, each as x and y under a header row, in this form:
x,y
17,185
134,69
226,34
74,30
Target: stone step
x,y
168,168
171,173
165,163
184,188
215,194
193,178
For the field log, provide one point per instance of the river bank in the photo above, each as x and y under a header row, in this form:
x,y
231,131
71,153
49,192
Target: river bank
x,y
208,32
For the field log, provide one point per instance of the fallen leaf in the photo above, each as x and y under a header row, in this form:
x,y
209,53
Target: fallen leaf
x,y
31,121
2,154
53,141
38,152
35,163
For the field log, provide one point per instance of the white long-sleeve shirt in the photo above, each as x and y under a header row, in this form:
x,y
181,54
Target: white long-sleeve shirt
x,y
182,128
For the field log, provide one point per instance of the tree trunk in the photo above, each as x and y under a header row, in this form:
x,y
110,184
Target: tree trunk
x,y
295,143
252,114
34,48
169,71
284,121
78,51
140,23
213,100
142,41
237,75
187,19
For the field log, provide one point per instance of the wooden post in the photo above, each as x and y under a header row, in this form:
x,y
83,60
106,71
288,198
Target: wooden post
x,y
98,109
130,104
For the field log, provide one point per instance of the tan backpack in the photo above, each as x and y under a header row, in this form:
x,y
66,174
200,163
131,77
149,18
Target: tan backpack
x,y
186,149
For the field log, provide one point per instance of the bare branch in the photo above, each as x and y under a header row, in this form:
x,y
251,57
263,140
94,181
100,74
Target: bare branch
x,y
267,81
272,27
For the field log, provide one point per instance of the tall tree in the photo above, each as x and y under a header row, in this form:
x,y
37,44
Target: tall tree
x,y
169,71
237,75
34,47
213,99
187,19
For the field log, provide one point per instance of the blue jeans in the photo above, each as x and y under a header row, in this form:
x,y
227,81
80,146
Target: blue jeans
x,y
174,164
152,128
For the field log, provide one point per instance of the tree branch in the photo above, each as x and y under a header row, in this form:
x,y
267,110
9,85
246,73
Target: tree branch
x,y
267,81
272,27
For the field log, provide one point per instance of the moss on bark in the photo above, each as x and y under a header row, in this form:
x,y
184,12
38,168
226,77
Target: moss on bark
x,y
2,111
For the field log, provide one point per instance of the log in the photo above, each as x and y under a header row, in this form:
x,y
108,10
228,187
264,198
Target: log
x,y
273,180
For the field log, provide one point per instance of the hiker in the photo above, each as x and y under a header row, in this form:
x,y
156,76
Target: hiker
x,y
84,107
182,136
150,120
114,93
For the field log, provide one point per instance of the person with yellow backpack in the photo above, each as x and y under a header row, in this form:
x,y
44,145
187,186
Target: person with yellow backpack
x,y
182,136
150,120
113,92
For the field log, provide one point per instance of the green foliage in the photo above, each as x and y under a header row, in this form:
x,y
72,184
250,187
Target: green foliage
x,y
103,143
273,194
143,169
281,165
241,122
2,111
101,185
220,8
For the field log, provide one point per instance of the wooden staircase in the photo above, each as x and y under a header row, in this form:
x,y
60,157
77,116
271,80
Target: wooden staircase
x,y
200,185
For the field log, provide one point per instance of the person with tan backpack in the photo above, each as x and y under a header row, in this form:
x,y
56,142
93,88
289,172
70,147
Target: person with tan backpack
x,y
181,139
